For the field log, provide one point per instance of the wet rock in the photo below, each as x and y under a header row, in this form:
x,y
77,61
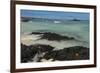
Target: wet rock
x,y
65,54
26,19
36,33
28,52
43,48
53,36
71,53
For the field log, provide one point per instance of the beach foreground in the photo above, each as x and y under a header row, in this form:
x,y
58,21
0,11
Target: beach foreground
x,y
44,47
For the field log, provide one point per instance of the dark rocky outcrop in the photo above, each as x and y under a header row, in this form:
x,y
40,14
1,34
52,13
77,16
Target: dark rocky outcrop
x,y
53,36
28,52
26,19
36,33
71,53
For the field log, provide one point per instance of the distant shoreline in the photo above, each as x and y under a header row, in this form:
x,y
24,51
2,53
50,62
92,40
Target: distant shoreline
x,y
26,19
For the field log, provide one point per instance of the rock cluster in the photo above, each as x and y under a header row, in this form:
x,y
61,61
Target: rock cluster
x,y
71,53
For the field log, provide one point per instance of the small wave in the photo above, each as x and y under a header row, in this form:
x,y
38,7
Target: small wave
x,y
57,22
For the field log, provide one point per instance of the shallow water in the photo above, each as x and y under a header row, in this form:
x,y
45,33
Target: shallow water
x,y
77,29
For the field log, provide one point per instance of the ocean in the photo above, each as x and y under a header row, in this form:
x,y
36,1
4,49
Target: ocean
x,y
37,34
77,29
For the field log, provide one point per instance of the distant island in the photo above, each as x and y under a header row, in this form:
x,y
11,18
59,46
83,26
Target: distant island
x,y
26,19
75,19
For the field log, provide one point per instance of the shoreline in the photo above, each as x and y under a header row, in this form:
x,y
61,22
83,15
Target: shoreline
x,y
42,53
48,46
31,39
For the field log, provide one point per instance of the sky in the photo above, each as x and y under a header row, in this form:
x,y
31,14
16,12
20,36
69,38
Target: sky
x,y
54,14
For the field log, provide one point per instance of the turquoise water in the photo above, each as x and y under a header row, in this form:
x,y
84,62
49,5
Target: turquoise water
x,y
77,29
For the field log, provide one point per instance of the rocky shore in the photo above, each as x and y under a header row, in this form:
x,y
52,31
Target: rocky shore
x,y
39,52
29,52
35,53
53,36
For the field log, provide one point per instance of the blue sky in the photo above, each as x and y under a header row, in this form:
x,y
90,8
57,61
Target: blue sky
x,y
54,14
